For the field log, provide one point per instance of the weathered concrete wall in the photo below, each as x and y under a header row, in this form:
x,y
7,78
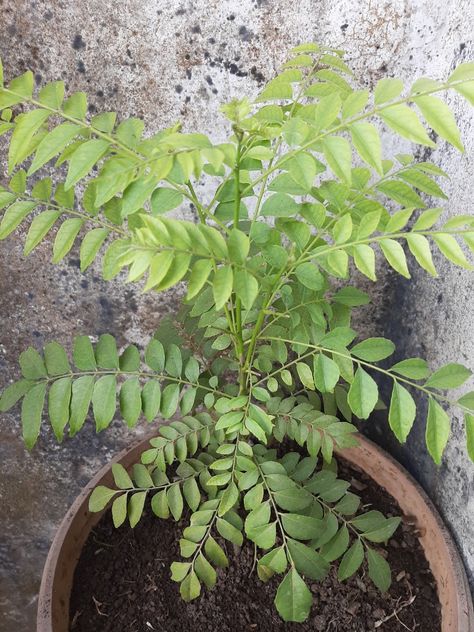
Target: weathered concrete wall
x,y
169,60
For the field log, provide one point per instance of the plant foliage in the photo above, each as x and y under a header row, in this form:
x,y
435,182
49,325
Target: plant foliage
x,y
303,195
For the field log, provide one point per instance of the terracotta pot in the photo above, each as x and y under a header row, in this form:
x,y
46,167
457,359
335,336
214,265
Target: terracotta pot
x,y
439,548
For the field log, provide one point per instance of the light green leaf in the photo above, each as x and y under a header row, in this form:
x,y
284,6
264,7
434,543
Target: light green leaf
x,y
364,258
452,250
13,393
449,376
279,205
14,215
190,587
169,400
65,237
121,478
40,225
439,116
130,401
83,159
342,229
437,430
420,249
366,140
413,368
469,421
82,390
402,412
222,286
363,394
53,144
395,256
246,287
404,121
373,349
337,152
106,352
309,275
26,126
32,365
135,507
305,374
326,373
100,498
387,90
90,246
238,245
83,353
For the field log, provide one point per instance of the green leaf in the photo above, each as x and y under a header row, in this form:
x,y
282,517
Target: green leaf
x,y
302,169
402,412
100,498
13,393
103,401
91,245
449,376
26,126
301,527
82,390
32,365
373,349
191,493
279,205
31,411
190,587
65,237
199,274
351,561
364,258
420,249
452,250
106,352
136,194
363,394
222,286
58,405
83,353
135,507
439,116
215,553
274,560
413,368
130,401
229,532
175,501
342,229
238,245
204,571
83,159
119,510
469,421
404,121
40,225
379,570
155,355
56,359
159,505
228,499
437,430
169,400
121,478
395,256
336,546
309,275
305,374
76,105
246,287
337,152
387,90
53,144
307,561
174,361
326,373
293,598
13,217
366,140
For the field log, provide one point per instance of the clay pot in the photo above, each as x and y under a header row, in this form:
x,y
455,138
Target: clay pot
x,y
439,548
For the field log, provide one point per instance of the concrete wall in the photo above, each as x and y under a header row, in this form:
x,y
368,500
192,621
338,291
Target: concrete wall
x,y
169,60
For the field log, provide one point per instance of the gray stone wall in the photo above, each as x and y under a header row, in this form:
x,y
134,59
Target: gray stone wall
x,y
179,60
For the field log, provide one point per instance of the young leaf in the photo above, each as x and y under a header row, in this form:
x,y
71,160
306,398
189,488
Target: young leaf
x,y
83,159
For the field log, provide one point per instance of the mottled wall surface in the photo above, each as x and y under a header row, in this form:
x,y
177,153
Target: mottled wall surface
x,y
178,60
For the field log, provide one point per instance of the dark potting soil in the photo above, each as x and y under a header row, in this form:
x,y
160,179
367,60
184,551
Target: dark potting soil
x,y
122,584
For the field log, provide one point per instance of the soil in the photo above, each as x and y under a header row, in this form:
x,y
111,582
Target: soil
x,y
122,584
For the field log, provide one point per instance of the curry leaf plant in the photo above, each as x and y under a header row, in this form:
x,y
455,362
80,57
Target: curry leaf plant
x,y
263,375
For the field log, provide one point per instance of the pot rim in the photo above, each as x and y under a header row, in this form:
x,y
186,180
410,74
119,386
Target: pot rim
x,y
437,542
